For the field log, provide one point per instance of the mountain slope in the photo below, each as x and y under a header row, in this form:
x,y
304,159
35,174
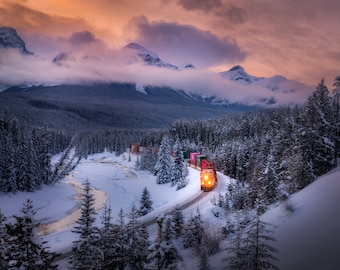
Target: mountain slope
x,y
107,105
308,238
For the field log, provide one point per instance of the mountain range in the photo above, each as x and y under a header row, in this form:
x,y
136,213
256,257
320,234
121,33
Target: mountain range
x,y
123,105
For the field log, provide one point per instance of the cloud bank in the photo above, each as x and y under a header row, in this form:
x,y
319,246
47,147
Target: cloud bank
x,y
186,43
116,66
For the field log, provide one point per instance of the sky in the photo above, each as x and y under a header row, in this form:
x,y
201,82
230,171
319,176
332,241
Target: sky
x,y
296,39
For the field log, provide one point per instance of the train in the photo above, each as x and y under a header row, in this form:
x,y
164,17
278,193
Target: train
x,y
208,175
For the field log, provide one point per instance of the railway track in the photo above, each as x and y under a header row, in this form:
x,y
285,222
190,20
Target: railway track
x,y
148,222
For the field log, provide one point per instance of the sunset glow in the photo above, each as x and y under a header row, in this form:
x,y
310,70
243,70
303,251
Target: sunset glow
x,y
296,39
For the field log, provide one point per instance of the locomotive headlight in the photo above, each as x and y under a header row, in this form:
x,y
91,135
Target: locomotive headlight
x,y
206,177
209,183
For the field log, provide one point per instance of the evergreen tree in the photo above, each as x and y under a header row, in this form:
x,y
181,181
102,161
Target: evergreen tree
x,y
156,252
178,220
171,252
317,140
7,164
138,242
336,111
107,238
4,243
269,178
237,250
163,164
178,172
137,166
9,128
121,244
26,250
238,195
148,160
259,252
203,263
42,141
26,174
163,252
145,203
194,231
86,249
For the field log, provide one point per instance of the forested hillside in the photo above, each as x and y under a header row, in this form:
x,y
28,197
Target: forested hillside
x,y
280,150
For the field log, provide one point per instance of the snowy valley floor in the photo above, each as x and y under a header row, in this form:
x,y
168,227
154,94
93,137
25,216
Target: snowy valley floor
x,y
307,238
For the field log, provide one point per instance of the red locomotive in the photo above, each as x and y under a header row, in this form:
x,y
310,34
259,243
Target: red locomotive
x,y
208,176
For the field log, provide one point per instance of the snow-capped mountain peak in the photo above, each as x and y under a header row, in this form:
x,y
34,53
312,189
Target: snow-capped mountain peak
x,y
275,83
237,73
149,57
141,49
9,38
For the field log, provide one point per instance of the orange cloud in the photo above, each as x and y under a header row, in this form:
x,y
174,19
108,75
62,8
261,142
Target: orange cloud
x,y
297,39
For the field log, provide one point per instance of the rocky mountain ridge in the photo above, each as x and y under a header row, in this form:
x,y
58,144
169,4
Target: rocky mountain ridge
x,y
9,39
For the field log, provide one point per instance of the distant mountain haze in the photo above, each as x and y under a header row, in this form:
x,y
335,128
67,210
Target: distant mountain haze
x,y
104,87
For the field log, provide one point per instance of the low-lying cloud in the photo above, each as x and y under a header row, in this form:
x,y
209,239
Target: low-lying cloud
x,y
115,66
186,43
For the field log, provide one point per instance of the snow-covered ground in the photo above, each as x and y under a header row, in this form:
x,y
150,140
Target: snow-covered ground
x,y
307,238
116,183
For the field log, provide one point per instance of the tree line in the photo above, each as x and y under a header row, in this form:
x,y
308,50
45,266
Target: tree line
x,y
278,150
26,152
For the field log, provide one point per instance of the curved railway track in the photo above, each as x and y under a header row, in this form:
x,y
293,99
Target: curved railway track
x,y
147,222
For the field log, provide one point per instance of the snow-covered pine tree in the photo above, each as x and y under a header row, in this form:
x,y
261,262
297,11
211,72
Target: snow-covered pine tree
x,y
237,259
269,178
178,220
41,140
336,112
168,244
148,160
7,163
4,242
316,138
137,165
145,203
163,164
238,195
9,128
107,238
194,231
138,241
26,250
156,253
121,244
259,252
26,173
86,249
178,173
203,263
163,252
